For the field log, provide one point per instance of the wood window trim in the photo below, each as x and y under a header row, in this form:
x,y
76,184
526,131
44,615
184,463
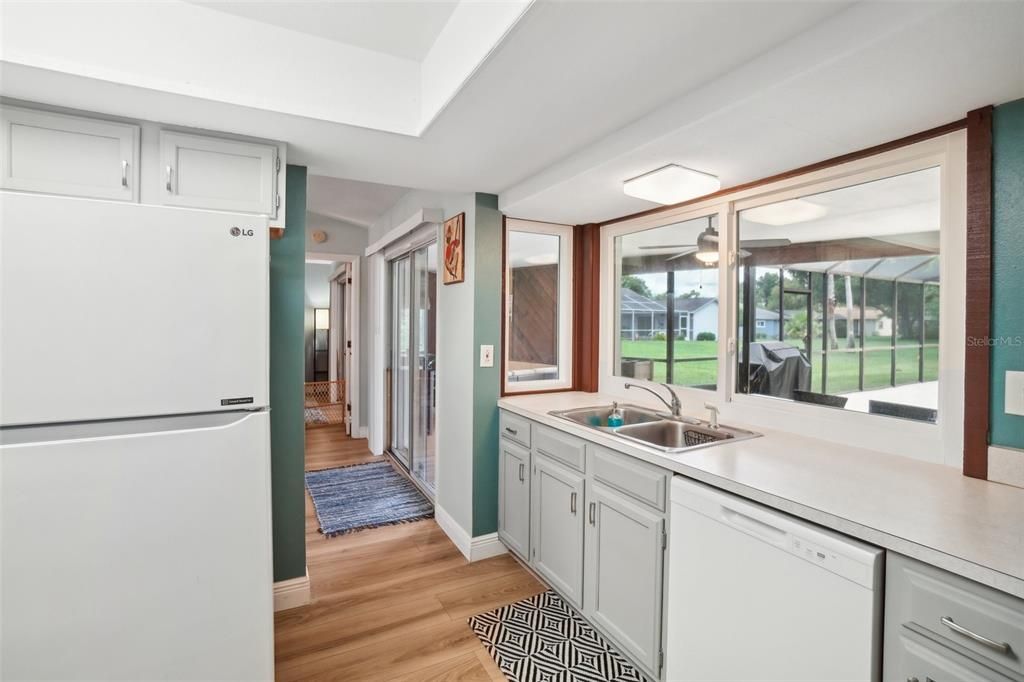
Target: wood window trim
x,y
977,366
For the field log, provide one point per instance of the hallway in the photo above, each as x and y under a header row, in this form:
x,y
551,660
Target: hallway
x,y
389,603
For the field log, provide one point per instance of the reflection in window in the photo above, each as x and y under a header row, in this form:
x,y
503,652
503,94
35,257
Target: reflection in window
x,y
839,297
533,306
667,304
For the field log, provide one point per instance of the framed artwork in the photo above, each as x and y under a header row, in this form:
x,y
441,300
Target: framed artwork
x,y
454,249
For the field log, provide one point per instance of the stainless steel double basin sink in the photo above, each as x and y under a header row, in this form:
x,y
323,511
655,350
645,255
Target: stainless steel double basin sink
x,y
655,429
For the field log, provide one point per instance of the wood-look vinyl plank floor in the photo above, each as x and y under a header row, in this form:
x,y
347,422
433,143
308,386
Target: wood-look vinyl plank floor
x,y
390,603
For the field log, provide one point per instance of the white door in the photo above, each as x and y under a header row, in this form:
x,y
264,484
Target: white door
x,y
138,555
115,310
211,172
61,154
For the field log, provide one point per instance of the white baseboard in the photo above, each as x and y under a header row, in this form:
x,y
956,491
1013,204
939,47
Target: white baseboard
x,y
486,546
474,549
289,594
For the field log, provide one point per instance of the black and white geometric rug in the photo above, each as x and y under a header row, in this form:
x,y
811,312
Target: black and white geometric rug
x,y
541,639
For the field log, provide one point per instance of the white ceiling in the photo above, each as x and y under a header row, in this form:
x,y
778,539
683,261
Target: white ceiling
x,y
579,96
352,201
400,29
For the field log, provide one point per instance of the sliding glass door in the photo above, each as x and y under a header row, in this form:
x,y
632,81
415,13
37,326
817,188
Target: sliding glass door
x,y
413,360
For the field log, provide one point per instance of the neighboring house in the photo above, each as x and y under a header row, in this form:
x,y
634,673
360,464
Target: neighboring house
x,y
876,323
645,318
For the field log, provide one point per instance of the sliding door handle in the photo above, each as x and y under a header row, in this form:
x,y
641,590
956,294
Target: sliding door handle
x,y
572,503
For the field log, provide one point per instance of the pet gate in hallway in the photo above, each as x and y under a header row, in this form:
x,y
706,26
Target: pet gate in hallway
x,y
325,403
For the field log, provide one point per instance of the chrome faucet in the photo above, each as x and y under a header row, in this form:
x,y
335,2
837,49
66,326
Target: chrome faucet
x,y
675,406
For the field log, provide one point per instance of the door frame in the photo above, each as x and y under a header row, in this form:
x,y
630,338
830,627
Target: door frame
x,y
354,312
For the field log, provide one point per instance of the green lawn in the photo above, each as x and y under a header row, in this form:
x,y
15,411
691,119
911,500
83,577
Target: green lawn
x,y
843,366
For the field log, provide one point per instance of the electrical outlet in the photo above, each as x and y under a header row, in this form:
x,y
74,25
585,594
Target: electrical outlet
x,y
1014,393
487,356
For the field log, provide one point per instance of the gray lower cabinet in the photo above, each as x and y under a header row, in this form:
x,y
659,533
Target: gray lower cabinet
x,y
940,626
624,563
557,527
514,498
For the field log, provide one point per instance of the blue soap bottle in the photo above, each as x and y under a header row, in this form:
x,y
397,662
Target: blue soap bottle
x,y
615,418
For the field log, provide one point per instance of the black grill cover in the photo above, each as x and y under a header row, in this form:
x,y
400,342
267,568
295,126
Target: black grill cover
x,y
778,369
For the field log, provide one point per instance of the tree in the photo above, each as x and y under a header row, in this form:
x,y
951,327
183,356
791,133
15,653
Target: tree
x,y
830,297
637,285
766,291
851,342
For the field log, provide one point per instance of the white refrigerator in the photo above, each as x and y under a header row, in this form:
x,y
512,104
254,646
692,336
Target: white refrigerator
x,y
135,537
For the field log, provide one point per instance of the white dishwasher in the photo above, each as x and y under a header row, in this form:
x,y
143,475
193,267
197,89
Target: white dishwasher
x,y
755,594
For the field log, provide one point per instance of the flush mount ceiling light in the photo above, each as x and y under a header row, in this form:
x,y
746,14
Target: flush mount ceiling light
x,y
786,212
671,184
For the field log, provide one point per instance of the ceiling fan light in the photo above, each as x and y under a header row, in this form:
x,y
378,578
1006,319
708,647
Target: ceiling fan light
x,y
671,184
707,257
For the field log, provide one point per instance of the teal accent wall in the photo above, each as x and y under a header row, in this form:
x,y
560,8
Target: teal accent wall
x,y
486,380
1007,266
287,435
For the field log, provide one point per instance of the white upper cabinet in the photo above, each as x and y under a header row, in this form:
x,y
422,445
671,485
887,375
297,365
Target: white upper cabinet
x,y
210,172
60,154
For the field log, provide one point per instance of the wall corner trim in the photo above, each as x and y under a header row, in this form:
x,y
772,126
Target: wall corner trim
x,y
292,593
473,548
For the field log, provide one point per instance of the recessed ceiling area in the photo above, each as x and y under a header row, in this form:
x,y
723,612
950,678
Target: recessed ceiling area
x,y
351,201
570,100
401,29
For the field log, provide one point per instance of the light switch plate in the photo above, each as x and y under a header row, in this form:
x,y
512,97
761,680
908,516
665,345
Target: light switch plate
x,y
487,356
1014,393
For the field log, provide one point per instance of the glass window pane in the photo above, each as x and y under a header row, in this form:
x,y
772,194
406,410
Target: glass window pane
x,y
533,306
668,303
839,295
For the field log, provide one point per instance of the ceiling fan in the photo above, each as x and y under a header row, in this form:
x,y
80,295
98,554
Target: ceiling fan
x,y
706,248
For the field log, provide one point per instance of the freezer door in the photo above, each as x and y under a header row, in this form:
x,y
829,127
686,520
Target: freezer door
x,y
138,555
114,310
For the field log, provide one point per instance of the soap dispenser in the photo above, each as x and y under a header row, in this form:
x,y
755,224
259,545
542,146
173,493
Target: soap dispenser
x,y
615,418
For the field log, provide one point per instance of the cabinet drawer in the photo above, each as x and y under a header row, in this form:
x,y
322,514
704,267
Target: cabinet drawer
x,y
559,446
918,658
515,428
641,481
986,622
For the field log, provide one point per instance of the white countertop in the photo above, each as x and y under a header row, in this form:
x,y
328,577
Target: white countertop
x,y
926,511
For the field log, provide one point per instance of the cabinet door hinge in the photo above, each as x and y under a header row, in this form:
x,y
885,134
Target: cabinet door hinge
x,y
661,660
664,540
277,164
277,202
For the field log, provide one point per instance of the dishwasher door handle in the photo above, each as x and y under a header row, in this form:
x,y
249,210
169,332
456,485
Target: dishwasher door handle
x,y
749,524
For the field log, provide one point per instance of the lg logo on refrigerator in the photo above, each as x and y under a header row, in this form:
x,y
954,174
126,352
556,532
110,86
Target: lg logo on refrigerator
x,y
239,232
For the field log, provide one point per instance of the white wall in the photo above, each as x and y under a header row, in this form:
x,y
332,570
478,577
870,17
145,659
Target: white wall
x,y
455,357
347,239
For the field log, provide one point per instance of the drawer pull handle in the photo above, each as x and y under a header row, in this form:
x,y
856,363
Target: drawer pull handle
x,y
572,504
593,508
1001,647
521,468
511,430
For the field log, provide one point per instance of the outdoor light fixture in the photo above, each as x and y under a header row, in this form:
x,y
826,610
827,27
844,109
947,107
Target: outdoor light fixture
x,y
671,184
785,212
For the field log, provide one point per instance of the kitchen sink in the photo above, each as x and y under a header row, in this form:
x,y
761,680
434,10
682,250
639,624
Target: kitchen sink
x,y
674,435
598,416
656,429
